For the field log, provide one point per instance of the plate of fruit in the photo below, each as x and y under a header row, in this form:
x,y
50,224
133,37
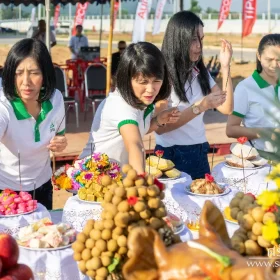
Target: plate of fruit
x,y
14,204
43,235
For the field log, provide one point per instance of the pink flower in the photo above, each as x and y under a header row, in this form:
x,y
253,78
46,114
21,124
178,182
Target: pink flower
x,y
88,176
209,178
242,140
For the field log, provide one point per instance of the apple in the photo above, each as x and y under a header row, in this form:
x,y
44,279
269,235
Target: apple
x,y
9,251
8,277
20,272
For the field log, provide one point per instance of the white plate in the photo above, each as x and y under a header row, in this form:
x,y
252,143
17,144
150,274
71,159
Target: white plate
x,y
179,229
245,168
46,249
165,179
16,215
226,191
87,201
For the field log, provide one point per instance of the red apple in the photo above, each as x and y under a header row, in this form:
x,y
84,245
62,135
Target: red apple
x,y
9,251
8,277
20,272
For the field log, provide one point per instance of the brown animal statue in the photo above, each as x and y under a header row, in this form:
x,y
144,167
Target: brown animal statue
x,y
151,260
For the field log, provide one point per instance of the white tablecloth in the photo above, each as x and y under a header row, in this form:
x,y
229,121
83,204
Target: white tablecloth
x,y
77,212
188,207
11,225
255,183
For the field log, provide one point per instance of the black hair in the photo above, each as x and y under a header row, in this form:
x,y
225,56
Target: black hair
x,y
20,51
180,31
146,59
267,40
121,42
79,25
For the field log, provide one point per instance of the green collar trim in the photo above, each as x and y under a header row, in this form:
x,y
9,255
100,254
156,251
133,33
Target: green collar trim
x,y
22,114
261,82
148,110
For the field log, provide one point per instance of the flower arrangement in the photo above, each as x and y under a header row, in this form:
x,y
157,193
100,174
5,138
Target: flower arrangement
x,y
89,169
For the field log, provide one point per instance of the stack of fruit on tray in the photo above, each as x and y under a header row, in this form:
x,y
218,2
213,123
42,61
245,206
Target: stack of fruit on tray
x,y
101,248
9,253
12,203
84,171
259,222
95,191
160,167
244,155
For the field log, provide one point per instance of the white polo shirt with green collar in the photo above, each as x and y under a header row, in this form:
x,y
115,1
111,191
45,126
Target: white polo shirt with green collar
x,y
257,103
20,132
110,116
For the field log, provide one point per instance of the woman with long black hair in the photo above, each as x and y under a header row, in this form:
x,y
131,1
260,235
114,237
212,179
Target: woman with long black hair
x,y
194,92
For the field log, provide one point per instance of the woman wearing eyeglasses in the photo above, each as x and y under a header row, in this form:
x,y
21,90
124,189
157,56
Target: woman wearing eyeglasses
x,y
194,92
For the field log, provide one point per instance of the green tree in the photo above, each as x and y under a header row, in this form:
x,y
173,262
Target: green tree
x,y
195,8
211,11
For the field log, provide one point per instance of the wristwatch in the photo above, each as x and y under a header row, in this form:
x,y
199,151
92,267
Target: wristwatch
x,y
158,124
195,109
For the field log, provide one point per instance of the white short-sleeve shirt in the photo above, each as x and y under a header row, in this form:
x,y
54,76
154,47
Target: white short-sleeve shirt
x,y
76,43
21,133
257,103
42,36
192,132
111,115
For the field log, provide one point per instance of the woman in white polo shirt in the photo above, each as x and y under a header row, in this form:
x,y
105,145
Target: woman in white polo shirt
x,y
126,115
31,120
194,92
256,100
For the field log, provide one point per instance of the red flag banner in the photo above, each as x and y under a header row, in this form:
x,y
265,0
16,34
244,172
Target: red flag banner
x,y
249,15
80,15
224,11
116,9
56,15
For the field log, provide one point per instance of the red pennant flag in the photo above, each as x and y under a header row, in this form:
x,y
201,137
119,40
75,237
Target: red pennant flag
x,y
80,15
224,11
249,15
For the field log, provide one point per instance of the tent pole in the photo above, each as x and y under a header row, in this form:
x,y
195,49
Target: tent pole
x,y
109,54
47,5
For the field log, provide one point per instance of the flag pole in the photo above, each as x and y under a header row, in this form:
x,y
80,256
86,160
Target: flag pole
x,y
109,54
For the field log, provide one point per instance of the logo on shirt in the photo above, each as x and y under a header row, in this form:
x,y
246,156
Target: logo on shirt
x,y
52,128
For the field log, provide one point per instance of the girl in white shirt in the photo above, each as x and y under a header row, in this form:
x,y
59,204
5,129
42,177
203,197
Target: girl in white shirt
x,y
194,92
126,115
257,101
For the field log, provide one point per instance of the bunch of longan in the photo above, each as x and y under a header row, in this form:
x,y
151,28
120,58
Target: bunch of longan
x,y
240,205
94,191
248,239
134,202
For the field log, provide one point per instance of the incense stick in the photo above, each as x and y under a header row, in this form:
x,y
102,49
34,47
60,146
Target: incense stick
x,y
254,173
243,170
19,171
268,174
212,163
62,119
150,155
227,78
